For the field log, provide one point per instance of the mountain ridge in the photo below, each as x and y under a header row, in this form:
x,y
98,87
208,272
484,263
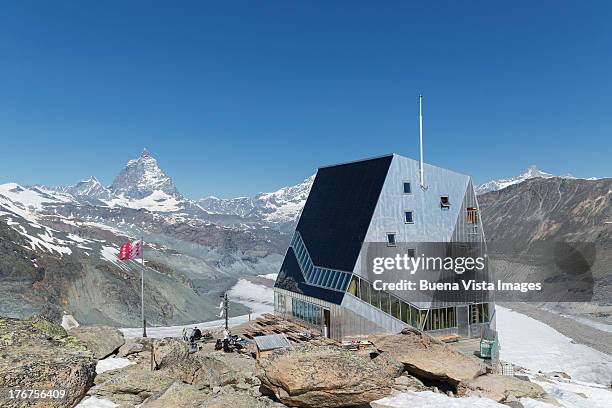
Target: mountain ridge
x,y
530,173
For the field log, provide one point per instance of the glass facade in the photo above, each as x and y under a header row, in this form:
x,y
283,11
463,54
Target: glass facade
x,y
479,313
317,276
306,311
429,319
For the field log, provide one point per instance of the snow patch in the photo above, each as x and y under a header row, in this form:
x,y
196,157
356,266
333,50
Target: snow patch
x,y
271,276
534,345
93,402
258,298
156,201
428,399
112,363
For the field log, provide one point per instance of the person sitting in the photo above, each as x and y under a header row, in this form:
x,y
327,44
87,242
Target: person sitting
x,y
197,333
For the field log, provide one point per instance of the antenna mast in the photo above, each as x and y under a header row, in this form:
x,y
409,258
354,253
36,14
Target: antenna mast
x,y
421,172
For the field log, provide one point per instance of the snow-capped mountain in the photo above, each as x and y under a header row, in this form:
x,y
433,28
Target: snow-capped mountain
x,y
141,178
90,187
143,185
496,185
140,185
281,206
56,241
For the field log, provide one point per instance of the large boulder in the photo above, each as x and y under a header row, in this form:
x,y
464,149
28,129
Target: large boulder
x,y
177,395
181,395
430,360
133,346
326,376
130,386
39,355
240,400
101,340
502,388
204,369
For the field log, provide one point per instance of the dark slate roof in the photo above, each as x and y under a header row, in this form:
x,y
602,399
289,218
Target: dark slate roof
x,y
290,278
338,211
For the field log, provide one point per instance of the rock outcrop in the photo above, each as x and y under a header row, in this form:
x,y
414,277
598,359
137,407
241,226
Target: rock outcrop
x,y
430,360
39,355
325,376
130,386
502,388
203,368
101,340
134,346
181,395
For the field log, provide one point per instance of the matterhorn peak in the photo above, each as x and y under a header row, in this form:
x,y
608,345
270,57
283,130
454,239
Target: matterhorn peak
x,y
142,177
145,153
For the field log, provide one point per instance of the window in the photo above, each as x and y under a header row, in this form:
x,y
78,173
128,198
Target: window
x,y
472,215
391,239
279,303
375,298
385,303
405,312
353,288
444,202
364,290
479,313
407,187
414,317
411,253
395,307
306,311
408,217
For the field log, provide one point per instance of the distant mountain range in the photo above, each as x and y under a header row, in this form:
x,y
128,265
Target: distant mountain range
x,y
143,185
279,207
531,173
59,245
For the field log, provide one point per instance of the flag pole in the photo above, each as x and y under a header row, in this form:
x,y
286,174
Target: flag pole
x,y
144,328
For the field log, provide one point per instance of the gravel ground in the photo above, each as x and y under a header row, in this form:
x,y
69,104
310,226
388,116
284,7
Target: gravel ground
x,y
580,333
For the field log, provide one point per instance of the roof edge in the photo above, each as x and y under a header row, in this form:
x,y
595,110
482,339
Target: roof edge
x,y
357,161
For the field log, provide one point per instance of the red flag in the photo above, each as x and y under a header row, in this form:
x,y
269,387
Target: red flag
x,y
130,251
125,252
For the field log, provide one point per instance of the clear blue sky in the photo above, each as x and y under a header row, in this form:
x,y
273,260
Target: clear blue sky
x,y
241,97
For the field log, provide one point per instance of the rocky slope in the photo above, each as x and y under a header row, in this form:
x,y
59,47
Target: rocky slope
x,y
58,250
303,376
554,210
496,185
39,355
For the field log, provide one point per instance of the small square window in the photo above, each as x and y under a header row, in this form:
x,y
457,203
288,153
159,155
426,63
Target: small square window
x,y
444,202
411,253
391,239
408,217
407,187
